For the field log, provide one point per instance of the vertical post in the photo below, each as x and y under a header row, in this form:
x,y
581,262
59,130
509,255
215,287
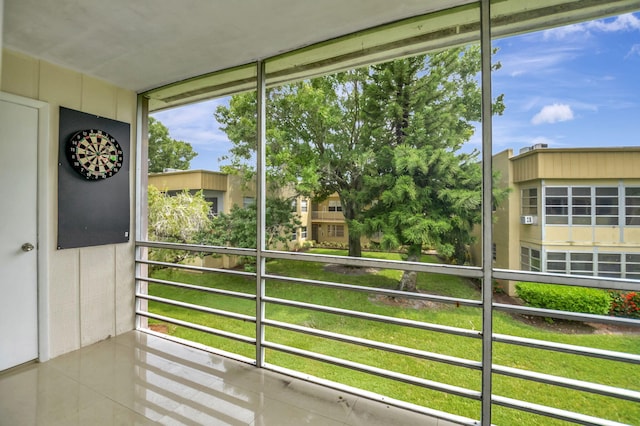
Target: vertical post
x,y
487,208
261,208
142,181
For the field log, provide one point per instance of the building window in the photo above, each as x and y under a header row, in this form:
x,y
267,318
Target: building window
x,y
585,205
529,259
557,205
213,210
335,230
609,265
632,266
248,201
614,265
529,202
303,232
294,205
632,206
581,206
557,262
494,252
335,206
304,205
607,206
294,235
581,263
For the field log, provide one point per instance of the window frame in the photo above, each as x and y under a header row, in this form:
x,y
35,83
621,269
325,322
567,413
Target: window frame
x,y
529,201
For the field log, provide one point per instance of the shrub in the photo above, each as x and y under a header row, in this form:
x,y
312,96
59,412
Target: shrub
x,y
565,298
625,304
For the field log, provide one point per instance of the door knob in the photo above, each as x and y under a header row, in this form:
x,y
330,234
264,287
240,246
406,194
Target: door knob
x,y
27,247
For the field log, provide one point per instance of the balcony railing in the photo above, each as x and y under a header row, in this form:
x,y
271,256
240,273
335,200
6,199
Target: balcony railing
x,y
258,327
327,216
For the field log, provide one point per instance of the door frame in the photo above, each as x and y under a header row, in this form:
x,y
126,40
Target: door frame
x,y
45,182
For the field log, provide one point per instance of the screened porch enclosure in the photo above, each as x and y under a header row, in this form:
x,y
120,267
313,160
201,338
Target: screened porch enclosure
x,y
333,331
281,332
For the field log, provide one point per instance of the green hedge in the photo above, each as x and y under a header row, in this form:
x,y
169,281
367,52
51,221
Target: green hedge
x,y
565,298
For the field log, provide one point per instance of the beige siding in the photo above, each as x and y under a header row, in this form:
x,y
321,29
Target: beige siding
x,y
581,233
557,233
587,163
214,181
631,235
237,190
91,290
189,179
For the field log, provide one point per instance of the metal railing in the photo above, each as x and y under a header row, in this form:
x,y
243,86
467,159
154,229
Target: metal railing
x,y
262,321
327,216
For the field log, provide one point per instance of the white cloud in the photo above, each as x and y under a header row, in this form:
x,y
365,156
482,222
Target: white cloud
x,y
560,33
196,124
553,114
634,51
627,22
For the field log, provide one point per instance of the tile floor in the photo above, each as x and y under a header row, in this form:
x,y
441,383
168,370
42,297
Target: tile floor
x,y
141,379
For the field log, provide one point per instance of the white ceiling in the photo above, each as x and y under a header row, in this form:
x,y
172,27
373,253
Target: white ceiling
x,y
143,44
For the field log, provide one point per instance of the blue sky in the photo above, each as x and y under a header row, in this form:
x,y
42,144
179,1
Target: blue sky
x,y
573,86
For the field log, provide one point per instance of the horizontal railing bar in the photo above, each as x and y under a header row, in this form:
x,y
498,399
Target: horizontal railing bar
x,y
429,384
565,348
198,327
196,268
458,362
578,385
199,288
234,251
555,413
199,308
570,280
452,418
435,268
573,316
374,317
387,292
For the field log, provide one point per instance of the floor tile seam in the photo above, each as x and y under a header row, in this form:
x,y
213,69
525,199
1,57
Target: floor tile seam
x,y
218,415
113,400
101,398
64,373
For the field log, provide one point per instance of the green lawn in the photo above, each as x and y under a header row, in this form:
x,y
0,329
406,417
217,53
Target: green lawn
x,y
575,367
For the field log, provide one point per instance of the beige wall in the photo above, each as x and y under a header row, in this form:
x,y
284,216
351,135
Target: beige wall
x,y
189,179
91,290
579,163
1,32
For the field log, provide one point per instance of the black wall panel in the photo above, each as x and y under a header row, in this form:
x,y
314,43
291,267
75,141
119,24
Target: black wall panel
x,y
92,212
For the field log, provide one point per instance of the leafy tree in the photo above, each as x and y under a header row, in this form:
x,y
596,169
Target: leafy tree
x,y
428,192
165,152
238,227
387,139
313,140
181,218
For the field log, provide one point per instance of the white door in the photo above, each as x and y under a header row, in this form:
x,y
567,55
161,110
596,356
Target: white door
x,y
18,234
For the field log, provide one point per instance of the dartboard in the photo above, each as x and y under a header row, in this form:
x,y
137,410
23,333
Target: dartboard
x,y
95,154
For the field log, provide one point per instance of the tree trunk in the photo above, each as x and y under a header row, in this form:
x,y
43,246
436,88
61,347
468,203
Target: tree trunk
x,y
349,210
355,247
409,279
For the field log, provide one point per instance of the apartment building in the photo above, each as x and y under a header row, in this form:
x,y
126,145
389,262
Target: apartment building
x,y
570,211
225,190
222,190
